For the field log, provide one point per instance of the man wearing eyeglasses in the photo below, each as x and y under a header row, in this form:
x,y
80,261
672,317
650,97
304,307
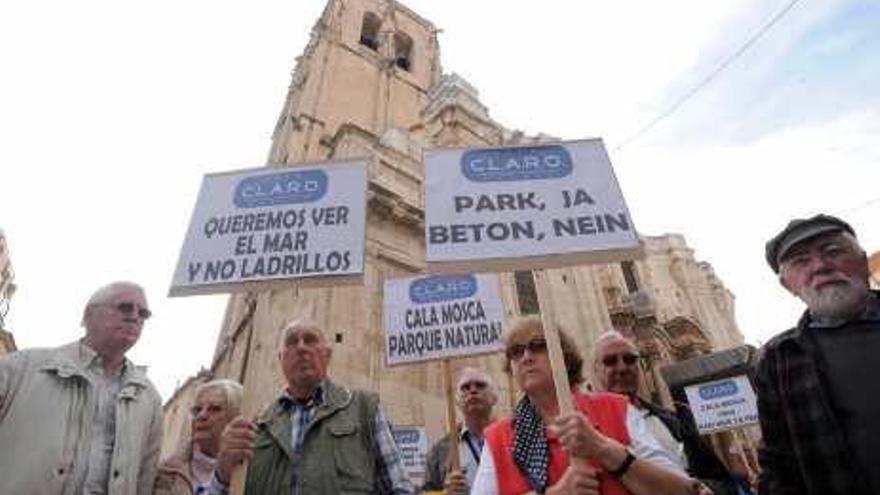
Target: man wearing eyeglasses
x,y
817,382
476,397
81,418
616,369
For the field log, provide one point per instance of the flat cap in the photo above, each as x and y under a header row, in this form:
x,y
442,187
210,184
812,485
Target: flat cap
x,y
799,230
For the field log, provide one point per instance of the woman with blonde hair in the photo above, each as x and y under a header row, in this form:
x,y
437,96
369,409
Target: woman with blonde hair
x,y
602,448
191,469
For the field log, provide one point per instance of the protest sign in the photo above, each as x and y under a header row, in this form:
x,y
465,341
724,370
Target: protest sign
x,y
412,441
275,224
723,404
535,206
441,316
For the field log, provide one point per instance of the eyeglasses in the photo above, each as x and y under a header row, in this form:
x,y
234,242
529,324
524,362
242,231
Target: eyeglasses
x,y
209,408
628,359
534,346
128,308
473,385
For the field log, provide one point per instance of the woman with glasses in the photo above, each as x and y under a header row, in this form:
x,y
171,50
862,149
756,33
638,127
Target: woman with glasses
x,y
191,469
602,448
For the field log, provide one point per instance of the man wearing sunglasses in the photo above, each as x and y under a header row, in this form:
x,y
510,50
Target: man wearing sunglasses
x,y
476,397
81,418
616,369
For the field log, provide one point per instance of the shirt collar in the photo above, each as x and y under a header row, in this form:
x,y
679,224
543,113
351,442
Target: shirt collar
x,y
463,432
287,401
92,361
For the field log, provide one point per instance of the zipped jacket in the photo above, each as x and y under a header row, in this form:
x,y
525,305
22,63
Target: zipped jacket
x,y
47,403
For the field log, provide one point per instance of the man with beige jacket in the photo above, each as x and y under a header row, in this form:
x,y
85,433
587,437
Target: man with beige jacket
x,y
81,418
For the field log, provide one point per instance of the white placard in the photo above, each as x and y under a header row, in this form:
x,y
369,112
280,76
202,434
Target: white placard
x,y
722,405
274,224
412,441
554,204
442,316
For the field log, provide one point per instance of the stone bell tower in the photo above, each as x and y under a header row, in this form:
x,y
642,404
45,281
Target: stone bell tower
x,y
369,65
369,84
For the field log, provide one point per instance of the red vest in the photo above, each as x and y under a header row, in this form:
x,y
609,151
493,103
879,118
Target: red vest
x,y
608,415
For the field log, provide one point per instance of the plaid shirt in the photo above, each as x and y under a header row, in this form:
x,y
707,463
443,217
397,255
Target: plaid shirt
x,y
804,448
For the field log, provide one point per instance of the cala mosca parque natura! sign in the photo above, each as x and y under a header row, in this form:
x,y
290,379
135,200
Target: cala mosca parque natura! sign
x,y
535,206
275,224
442,316
722,405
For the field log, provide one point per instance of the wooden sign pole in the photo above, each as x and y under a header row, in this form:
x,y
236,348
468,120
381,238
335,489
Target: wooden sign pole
x,y
452,422
261,324
554,348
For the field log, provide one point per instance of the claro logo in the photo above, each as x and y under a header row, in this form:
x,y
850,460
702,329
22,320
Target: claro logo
x,y
301,186
510,164
718,390
442,288
405,436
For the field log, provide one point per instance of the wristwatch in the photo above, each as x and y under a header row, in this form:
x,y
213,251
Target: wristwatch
x,y
624,466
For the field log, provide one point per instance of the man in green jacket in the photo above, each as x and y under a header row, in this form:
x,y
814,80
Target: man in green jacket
x,y
81,418
317,437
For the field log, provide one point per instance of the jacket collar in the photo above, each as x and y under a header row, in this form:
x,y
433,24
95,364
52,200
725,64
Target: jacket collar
x,y
74,359
277,422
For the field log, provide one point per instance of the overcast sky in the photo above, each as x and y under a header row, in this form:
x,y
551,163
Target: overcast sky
x,y
110,113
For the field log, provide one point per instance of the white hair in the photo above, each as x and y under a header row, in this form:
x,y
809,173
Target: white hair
x,y
106,292
232,391
460,375
611,336
298,324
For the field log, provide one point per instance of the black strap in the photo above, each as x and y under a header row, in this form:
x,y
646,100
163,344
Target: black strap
x,y
624,466
474,451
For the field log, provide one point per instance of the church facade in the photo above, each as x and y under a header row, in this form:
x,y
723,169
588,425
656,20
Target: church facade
x,y
370,84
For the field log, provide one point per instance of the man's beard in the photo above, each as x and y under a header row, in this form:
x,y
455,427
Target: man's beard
x,y
839,300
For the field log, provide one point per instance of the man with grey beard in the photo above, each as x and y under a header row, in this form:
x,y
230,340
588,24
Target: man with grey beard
x,y
816,383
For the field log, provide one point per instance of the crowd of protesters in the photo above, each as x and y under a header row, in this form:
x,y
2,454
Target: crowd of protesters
x,y
83,419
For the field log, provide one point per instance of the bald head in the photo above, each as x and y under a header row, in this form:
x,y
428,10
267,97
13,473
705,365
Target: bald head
x,y
475,393
304,356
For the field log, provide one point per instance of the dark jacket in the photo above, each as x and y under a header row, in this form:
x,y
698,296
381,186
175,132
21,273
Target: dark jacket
x,y
804,449
437,464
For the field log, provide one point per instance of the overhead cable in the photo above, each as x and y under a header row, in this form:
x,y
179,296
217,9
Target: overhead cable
x,y
706,80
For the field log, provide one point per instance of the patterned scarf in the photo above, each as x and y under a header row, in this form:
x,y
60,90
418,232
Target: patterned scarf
x,y
530,445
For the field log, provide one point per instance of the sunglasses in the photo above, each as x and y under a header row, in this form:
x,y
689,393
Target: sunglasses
x,y
628,359
128,308
535,346
473,385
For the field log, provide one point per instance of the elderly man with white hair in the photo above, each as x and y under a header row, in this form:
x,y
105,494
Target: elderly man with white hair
x,y
317,437
81,418
476,396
